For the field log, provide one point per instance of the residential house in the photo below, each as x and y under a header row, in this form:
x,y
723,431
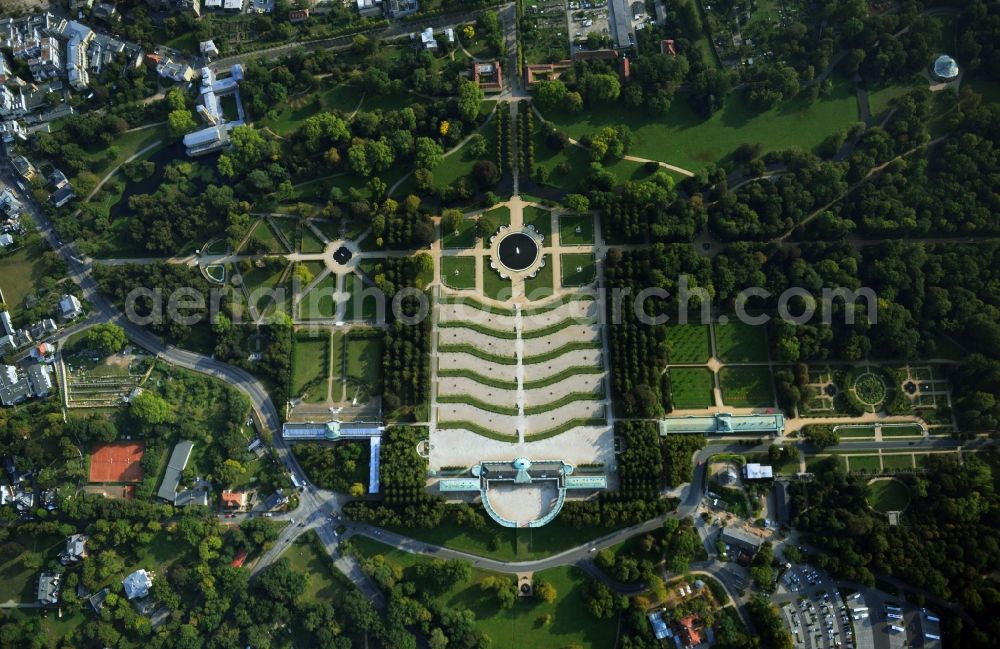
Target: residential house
x,y
77,70
76,550
179,72
188,497
6,323
208,49
275,500
755,471
80,5
12,103
234,499
11,130
137,584
43,328
689,631
400,8
40,379
427,39
47,63
10,206
5,71
297,16
96,601
668,48
58,179
48,588
62,196
70,307
369,8
14,387
6,241
41,352
105,11
23,167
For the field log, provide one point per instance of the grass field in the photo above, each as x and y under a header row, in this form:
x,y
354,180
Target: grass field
x,y
691,387
259,281
354,286
577,269
736,342
364,361
868,463
901,431
496,217
465,238
689,343
746,387
310,242
303,558
540,219
18,581
888,495
319,302
518,627
268,240
495,286
20,272
540,286
856,431
459,272
897,460
684,138
576,230
297,110
816,464
309,361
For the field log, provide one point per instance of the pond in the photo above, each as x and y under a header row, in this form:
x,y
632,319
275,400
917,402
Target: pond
x,y
517,251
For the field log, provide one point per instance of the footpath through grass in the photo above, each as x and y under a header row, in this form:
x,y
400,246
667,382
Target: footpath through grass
x,y
684,138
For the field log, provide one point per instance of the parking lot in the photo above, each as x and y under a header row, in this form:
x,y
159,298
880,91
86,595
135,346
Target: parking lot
x,y
585,17
815,612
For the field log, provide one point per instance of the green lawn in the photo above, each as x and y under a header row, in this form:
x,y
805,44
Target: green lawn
x,y
20,273
259,280
736,342
364,361
297,109
354,286
495,286
576,230
578,159
18,582
897,461
319,302
901,431
577,269
459,164
465,237
691,387
688,343
684,138
459,272
540,286
268,240
888,495
541,219
868,463
310,242
496,217
518,627
309,361
860,431
323,580
746,387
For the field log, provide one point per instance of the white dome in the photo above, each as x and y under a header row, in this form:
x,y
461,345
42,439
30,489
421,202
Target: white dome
x,y
945,67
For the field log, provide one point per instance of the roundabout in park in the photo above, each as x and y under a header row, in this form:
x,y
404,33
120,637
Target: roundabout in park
x,y
516,253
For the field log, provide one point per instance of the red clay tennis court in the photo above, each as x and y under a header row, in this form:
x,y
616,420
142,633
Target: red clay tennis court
x,y
116,462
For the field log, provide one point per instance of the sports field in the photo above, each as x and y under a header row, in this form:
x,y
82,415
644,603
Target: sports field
x,y
117,462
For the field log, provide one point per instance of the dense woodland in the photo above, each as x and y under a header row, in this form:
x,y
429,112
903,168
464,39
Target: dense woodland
x,y
946,548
